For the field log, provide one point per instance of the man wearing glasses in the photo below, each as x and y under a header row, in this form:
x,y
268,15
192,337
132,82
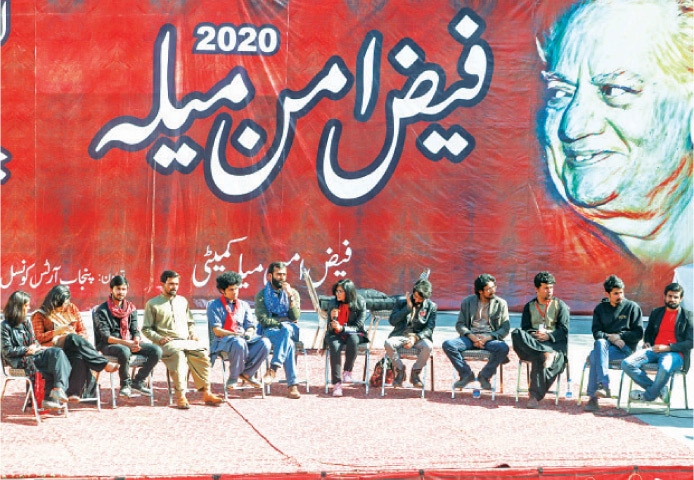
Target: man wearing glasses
x,y
483,323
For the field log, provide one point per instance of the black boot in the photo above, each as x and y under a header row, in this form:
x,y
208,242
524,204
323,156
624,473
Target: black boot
x,y
414,378
400,377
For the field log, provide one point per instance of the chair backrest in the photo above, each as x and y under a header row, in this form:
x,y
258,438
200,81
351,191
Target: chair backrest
x,y
319,337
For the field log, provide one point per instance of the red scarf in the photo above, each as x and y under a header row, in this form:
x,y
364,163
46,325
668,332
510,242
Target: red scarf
x,y
230,323
343,314
123,314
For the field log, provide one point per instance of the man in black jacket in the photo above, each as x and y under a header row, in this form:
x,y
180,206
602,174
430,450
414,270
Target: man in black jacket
x,y
617,330
116,334
413,324
667,342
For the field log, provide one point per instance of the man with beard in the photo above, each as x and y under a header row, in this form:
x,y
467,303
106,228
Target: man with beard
x,y
483,323
617,124
116,334
277,308
667,342
169,323
617,329
543,337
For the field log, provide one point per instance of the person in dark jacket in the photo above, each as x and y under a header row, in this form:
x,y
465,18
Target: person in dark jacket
x,y
21,350
483,323
617,330
667,342
116,334
347,314
413,321
543,337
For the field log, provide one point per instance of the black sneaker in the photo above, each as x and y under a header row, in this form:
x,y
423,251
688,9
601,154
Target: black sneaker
x,y
464,381
484,382
592,405
603,392
414,378
142,388
400,377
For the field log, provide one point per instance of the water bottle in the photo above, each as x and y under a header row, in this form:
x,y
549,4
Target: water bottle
x,y
476,393
569,393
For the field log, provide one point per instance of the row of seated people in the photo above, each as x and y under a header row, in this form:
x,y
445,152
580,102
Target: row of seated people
x,y
55,344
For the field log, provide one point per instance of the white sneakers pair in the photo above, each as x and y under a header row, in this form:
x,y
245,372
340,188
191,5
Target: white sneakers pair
x,y
346,378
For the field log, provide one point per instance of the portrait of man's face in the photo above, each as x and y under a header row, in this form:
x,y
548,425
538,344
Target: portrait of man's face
x,y
617,127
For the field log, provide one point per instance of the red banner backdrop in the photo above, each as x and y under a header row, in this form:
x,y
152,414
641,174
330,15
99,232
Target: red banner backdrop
x,y
367,139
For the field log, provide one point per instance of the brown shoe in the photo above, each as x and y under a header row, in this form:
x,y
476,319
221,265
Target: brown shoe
x,y
211,399
269,376
250,381
182,402
293,392
111,367
533,403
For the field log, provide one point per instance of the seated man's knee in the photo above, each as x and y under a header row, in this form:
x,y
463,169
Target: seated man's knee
x,y
601,343
503,347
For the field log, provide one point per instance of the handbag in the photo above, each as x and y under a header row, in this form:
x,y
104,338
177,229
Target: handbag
x,y
376,379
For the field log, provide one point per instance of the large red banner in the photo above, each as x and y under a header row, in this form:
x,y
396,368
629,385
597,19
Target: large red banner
x,y
367,139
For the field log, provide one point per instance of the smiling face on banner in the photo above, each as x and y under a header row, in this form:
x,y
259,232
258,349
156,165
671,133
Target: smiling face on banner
x,y
618,122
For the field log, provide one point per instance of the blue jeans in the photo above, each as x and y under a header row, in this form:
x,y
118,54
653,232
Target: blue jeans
x,y
668,364
244,356
603,352
454,347
282,340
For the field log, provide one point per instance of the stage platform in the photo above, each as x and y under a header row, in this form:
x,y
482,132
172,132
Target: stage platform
x,y
357,436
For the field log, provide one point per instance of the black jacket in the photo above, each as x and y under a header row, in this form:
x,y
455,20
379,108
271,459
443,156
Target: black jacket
x,y
624,319
106,325
15,341
356,320
684,328
423,325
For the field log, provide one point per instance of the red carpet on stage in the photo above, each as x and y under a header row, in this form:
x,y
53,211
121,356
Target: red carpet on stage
x,y
356,436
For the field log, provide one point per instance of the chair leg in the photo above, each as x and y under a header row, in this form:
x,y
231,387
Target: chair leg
x,y
327,366
431,360
367,364
684,385
501,378
306,368
383,380
580,384
113,391
518,377
619,395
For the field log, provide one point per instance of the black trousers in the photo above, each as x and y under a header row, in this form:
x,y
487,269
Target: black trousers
x,y
83,357
55,369
150,351
335,342
529,349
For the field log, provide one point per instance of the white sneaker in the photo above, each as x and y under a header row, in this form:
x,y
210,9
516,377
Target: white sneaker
x,y
347,376
337,389
636,395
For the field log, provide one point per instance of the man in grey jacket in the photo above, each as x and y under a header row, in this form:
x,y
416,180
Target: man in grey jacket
x,y
483,324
